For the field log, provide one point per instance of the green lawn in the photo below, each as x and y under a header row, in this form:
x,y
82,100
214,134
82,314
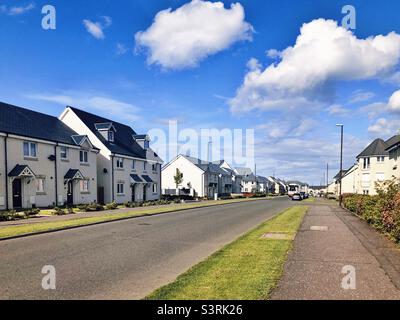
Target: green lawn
x,y
309,200
247,269
11,231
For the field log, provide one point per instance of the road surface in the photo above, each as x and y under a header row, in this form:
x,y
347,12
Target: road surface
x,y
125,259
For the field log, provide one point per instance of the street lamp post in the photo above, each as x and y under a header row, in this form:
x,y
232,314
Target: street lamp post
x,y
341,163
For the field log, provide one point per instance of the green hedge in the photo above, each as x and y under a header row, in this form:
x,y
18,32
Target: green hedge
x,y
382,210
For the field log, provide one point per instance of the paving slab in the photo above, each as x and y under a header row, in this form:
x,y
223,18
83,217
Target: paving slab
x,y
319,261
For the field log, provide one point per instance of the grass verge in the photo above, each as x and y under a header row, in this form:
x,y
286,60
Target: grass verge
x,y
32,228
247,269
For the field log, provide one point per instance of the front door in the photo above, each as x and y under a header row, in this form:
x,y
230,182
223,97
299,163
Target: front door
x,y
17,193
133,192
144,192
70,193
100,195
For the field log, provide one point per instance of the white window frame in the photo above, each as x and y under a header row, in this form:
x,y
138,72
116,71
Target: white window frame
x,y
120,163
366,163
120,188
133,165
30,154
111,136
155,188
380,176
84,186
82,156
62,153
40,185
144,166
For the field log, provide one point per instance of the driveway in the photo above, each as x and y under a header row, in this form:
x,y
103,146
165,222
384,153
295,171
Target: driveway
x,y
125,259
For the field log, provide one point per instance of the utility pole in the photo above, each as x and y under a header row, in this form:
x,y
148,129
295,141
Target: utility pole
x,y
341,163
209,150
327,177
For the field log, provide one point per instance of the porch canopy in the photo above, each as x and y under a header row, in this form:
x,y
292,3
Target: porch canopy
x,y
147,179
21,171
73,174
136,179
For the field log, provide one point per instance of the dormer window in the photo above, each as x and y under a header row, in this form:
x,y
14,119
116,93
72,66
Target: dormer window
x,y
107,130
143,140
111,136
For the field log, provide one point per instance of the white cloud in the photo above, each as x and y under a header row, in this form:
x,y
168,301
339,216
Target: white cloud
x,y
337,109
107,106
384,128
96,29
288,128
305,158
394,102
182,38
377,108
17,10
253,64
323,53
121,49
360,96
374,109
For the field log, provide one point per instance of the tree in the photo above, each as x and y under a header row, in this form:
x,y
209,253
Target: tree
x,y
178,178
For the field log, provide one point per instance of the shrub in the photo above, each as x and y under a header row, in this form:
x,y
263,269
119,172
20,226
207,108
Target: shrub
x,y
90,207
59,211
94,207
382,210
8,215
32,212
111,206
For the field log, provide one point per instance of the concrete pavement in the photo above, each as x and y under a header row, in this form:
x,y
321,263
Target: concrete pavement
x,y
314,266
125,259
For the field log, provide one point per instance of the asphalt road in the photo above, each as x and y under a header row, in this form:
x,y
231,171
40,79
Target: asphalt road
x,y
124,259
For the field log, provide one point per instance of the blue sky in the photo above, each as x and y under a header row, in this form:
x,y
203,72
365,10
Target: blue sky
x,y
112,73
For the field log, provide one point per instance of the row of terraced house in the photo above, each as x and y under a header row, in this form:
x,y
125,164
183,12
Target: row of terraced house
x,y
78,158
208,179
377,163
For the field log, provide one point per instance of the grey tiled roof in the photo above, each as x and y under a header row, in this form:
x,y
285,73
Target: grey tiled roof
x,y
207,166
32,124
243,171
136,178
393,141
123,144
18,169
72,174
249,178
375,148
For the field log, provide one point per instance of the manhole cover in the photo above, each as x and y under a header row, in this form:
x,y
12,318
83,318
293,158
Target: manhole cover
x,y
277,236
319,228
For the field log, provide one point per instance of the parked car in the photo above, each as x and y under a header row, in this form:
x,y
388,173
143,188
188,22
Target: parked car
x,y
297,197
302,195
